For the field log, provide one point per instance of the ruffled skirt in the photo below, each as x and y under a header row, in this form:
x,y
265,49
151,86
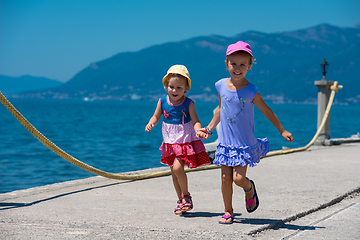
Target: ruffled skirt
x,y
232,156
180,142
194,154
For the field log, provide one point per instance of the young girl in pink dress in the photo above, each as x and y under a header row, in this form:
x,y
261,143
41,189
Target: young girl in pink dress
x,y
181,145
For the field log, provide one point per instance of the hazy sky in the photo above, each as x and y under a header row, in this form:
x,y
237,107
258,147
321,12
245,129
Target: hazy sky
x,y
58,38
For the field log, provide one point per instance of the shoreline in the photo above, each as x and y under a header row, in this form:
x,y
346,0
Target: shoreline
x,y
210,148
297,192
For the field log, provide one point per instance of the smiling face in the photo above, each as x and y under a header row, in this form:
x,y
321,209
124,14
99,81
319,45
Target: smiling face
x,y
238,64
176,88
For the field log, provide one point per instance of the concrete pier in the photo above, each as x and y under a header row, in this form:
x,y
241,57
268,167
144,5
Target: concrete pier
x,y
312,194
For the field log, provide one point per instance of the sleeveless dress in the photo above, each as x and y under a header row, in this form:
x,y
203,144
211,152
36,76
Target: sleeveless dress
x,y
237,144
179,138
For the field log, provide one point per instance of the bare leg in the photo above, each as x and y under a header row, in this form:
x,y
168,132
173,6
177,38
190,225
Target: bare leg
x,y
227,190
176,183
178,192
242,181
180,174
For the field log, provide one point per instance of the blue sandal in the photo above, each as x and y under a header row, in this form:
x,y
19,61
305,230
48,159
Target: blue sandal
x,y
226,217
249,203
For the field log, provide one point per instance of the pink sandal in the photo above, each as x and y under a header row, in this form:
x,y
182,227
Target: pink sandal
x,y
188,205
178,210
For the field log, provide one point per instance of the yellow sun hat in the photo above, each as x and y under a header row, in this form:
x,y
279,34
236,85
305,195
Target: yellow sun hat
x,y
178,69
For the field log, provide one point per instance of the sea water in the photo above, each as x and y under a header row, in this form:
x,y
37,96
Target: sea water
x,y
110,136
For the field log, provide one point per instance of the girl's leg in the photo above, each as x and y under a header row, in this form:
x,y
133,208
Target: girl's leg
x,y
227,190
176,183
242,181
181,178
240,178
179,172
178,192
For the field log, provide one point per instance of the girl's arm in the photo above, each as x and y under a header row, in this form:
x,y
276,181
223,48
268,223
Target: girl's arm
x,y
270,115
155,118
216,118
195,120
214,121
194,117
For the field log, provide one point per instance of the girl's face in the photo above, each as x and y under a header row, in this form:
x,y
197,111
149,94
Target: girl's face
x,y
238,64
176,88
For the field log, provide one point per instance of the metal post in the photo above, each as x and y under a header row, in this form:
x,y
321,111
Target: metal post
x,y
323,99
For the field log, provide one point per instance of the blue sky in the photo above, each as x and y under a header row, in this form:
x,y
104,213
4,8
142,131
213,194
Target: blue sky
x,y
58,38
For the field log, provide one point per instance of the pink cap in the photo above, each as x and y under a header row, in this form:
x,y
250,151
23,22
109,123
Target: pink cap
x,y
239,46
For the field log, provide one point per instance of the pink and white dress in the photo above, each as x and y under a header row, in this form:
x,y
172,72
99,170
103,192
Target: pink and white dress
x,y
179,138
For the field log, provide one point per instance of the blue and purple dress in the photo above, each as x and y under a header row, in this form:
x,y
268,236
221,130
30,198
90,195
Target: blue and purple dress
x,y
179,137
237,144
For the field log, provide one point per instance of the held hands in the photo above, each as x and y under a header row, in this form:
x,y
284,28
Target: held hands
x,y
287,135
149,126
203,133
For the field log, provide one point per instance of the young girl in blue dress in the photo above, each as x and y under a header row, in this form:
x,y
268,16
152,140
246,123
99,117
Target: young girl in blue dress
x,y
237,146
181,144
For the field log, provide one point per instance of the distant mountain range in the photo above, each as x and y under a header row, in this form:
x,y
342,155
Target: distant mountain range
x,y
287,64
15,85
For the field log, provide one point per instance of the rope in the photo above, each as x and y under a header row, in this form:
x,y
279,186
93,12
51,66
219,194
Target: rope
x,y
334,88
77,162
86,167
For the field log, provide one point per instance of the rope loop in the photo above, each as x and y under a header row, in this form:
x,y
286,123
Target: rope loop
x,y
335,87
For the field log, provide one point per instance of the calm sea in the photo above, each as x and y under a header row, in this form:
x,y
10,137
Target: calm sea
x,y
110,135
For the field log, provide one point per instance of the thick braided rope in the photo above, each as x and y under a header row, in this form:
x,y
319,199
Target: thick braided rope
x,y
77,162
96,171
334,88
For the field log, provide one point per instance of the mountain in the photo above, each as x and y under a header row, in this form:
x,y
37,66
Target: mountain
x,y
287,65
15,85
356,25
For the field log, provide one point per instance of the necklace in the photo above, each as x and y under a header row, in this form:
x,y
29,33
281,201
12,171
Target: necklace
x,y
232,118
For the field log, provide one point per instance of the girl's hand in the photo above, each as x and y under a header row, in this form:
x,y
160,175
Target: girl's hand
x,y
287,135
149,127
202,133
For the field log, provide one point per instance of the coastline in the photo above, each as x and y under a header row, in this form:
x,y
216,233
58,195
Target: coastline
x,y
297,192
210,149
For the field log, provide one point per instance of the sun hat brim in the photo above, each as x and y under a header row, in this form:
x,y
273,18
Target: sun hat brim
x,y
181,70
